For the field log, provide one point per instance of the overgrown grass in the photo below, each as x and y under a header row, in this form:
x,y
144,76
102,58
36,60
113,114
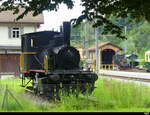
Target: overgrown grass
x,y
27,102
121,94
109,96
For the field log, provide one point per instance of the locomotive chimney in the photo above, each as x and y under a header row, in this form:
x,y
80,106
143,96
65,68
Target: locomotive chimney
x,y
61,29
66,31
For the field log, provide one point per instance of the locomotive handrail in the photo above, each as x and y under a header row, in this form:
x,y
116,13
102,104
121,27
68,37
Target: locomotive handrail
x,y
29,53
22,59
46,63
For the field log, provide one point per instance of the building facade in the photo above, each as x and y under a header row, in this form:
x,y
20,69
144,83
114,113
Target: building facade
x,y
10,38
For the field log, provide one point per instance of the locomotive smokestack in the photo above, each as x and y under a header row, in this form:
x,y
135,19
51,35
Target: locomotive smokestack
x,y
61,29
66,31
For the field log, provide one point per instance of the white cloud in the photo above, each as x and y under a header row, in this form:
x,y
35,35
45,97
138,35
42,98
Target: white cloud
x,y
53,20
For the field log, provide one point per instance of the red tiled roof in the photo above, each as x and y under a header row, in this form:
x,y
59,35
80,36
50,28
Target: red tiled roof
x,y
8,17
79,47
102,44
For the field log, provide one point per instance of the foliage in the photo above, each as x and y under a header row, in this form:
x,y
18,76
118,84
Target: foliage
x,y
81,63
100,10
103,9
139,38
83,35
36,6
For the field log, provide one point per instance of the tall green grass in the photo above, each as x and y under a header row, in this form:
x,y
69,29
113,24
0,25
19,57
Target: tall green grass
x,y
27,102
121,94
110,95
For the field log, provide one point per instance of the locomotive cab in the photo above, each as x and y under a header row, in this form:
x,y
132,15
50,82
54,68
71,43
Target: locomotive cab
x,y
34,45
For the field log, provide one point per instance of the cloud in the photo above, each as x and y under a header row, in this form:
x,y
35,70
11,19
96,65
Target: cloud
x,y
53,19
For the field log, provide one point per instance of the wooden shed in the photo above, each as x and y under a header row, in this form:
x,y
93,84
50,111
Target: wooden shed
x,y
106,50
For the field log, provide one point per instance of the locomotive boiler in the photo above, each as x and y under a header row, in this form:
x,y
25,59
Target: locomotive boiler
x,y
51,65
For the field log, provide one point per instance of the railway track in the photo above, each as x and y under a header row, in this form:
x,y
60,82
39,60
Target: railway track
x,y
136,76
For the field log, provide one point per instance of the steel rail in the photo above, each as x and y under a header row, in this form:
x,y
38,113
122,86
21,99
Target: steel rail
x,y
138,76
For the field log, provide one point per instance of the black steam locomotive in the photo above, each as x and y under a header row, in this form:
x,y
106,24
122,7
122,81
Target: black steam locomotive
x,y
52,65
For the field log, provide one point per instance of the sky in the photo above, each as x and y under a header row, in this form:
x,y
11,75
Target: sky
x,y
53,19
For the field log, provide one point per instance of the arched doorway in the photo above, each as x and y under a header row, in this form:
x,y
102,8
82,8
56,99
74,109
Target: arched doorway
x,y
107,56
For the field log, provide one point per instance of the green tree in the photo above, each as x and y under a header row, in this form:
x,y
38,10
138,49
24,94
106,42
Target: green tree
x,y
83,34
139,37
100,10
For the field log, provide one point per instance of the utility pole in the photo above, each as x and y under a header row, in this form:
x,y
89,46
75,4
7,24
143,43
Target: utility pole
x,y
86,45
86,40
125,32
97,52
